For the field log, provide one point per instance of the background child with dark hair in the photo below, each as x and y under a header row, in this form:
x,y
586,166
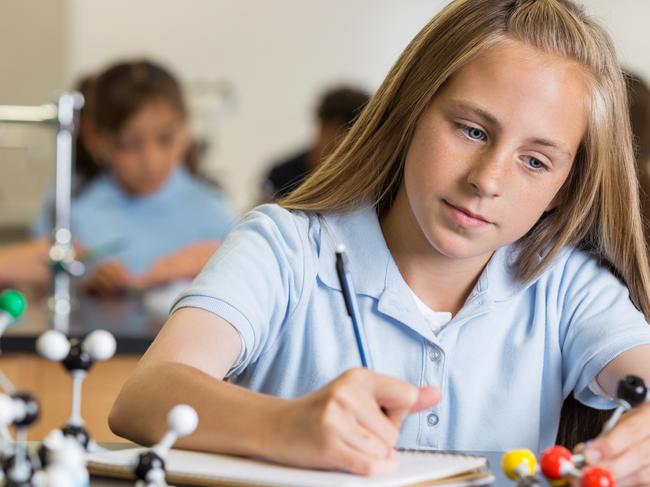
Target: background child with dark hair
x,y
337,110
146,203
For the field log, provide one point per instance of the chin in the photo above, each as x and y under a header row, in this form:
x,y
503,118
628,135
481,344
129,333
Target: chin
x,y
458,247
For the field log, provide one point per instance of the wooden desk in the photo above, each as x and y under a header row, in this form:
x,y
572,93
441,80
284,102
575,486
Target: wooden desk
x,y
134,329
494,461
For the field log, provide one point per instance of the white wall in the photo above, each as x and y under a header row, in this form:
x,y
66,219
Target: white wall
x,y
278,55
33,60
627,22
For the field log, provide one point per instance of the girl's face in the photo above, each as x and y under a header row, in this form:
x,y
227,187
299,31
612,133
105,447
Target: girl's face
x,y
491,151
150,145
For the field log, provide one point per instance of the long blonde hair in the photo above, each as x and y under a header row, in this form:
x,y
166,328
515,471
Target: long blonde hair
x,y
598,206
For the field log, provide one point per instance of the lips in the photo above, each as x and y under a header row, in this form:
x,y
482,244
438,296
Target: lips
x,y
467,212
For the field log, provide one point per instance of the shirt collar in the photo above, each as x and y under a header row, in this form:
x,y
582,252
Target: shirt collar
x,y
368,255
370,260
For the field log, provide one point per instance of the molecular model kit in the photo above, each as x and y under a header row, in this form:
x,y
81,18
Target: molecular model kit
x,y
60,459
559,465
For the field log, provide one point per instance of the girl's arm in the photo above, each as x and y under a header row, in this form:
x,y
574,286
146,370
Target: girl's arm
x,y
627,446
340,426
635,361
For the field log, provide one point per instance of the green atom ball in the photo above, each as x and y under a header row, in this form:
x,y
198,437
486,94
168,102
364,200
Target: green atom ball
x,y
12,302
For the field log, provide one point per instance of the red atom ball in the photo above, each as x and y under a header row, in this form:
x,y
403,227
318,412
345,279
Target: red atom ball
x,y
552,459
597,477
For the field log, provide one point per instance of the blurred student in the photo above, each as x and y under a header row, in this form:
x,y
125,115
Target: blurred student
x,y
145,216
336,111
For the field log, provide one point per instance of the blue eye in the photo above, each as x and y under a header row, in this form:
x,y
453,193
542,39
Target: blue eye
x,y
472,132
535,163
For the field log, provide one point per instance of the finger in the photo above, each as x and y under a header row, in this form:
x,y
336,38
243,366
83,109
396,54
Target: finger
x,y
638,478
392,393
399,398
629,462
351,460
629,431
104,280
365,441
102,284
359,404
427,398
373,420
111,279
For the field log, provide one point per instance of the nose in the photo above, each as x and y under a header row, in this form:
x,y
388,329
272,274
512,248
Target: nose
x,y
487,173
149,158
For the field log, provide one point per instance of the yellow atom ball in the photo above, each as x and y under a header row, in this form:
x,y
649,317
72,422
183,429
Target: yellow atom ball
x,y
519,463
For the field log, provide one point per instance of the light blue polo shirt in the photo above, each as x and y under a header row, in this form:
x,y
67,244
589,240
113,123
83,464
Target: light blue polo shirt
x,y
183,211
504,363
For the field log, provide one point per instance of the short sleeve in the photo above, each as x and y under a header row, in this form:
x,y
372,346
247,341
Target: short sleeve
x,y
599,323
255,280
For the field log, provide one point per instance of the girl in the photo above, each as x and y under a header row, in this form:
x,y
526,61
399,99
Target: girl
x,y
488,202
146,208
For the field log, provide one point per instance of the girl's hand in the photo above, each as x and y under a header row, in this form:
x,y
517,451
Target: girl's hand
x,y
625,450
351,424
108,278
184,264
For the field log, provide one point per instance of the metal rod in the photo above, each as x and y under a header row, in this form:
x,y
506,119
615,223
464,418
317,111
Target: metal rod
x,y
28,114
65,115
62,252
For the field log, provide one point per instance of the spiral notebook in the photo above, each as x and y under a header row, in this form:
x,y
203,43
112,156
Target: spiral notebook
x,y
417,468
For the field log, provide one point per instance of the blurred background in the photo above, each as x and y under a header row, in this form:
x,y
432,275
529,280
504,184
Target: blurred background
x,y
252,71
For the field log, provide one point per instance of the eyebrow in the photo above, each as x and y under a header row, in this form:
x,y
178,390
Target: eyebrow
x,y
468,107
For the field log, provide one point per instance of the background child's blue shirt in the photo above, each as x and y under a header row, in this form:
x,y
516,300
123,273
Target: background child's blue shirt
x,y
183,211
504,363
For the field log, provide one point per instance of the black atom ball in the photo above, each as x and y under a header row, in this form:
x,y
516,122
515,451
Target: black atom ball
x,y
78,433
632,389
43,457
147,462
8,465
77,359
32,410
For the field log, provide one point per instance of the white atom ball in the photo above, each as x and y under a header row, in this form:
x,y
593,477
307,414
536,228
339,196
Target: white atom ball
x,y
182,419
100,345
53,345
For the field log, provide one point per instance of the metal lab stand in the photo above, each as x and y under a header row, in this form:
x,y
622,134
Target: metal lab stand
x,y
64,116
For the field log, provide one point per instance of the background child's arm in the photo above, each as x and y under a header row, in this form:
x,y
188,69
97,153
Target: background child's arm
x,y
627,445
25,263
185,263
108,278
339,427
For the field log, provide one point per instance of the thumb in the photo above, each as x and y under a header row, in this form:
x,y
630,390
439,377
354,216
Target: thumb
x,y
427,398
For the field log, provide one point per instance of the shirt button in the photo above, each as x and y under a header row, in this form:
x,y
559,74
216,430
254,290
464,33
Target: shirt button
x,y
435,355
432,419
